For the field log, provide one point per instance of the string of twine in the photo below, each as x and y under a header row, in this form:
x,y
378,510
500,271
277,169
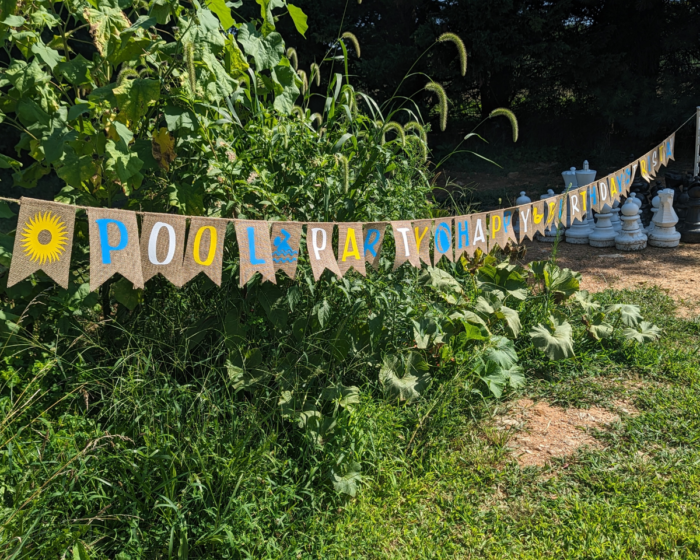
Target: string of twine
x,y
140,213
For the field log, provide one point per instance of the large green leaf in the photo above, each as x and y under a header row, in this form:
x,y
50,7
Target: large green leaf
x,y
643,333
222,11
49,56
122,162
135,96
629,314
501,351
404,376
554,339
75,170
76,70
106,24
272,300
344,396
423,331
5,212
598,327
124,292
504,277
266,51
285,77
299,18
348,481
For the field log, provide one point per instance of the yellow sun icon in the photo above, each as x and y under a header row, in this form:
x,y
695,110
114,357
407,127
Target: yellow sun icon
x,y
44,238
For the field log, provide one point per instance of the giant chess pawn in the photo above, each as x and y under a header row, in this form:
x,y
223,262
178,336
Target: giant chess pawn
x,y
604,234
691,231
615,217
631,238
664,233
638,201
655,203
522,199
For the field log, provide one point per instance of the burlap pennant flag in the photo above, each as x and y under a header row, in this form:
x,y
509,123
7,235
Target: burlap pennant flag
x,y
253,238
510,216
562,204
525,222
43,241
163,246
319,243
443,240
496,233
351,250
603,194
286,241
463,236
373,241
593,196
613,189
670,144
421,232
556,210
114,246
644,171
480,233
405,241
539,217
205,249
577,204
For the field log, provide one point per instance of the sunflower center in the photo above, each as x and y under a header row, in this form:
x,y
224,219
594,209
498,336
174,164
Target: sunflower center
x,y
44,237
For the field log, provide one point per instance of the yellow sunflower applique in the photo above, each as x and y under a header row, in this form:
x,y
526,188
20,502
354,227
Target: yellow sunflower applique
x,y
44,238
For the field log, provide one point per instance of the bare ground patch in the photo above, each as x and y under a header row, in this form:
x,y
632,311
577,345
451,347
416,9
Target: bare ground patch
x,y
541,432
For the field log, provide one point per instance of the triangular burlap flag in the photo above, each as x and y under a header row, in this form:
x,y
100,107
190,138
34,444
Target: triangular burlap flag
x,y
614,191
463,236
205,249
374,239
510,217
406,249
496,234
670,146
562,204
114,246
593,196
577,203
539,217
253,238
286,241
442,234
319,243
603,194
480,232
644,171
525,223
657,159
351,249
421,232
633,167
556,210
163,246
43,241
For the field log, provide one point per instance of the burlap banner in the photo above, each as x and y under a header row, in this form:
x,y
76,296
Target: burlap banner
x,y
421,232
205,249
167,245
442,233
163,246
286,242
256,254
43,241
114,246
374,239
405,241
319,243
351,249
525,223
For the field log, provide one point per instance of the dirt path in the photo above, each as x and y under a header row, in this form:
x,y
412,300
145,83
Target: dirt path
x,y
676,271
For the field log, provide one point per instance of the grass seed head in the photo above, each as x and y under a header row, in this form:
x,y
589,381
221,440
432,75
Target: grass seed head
x,y
437,89
355,43
461,49
293,59
502,111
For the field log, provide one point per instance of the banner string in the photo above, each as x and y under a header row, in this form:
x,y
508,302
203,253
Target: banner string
x,y
141,213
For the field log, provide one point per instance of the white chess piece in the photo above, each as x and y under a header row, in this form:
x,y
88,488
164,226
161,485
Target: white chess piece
x,y
654,209
604,234
579,231
631,238
664,233
615,217
638,202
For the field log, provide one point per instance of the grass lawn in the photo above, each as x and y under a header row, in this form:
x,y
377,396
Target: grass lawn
x,y
460,494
